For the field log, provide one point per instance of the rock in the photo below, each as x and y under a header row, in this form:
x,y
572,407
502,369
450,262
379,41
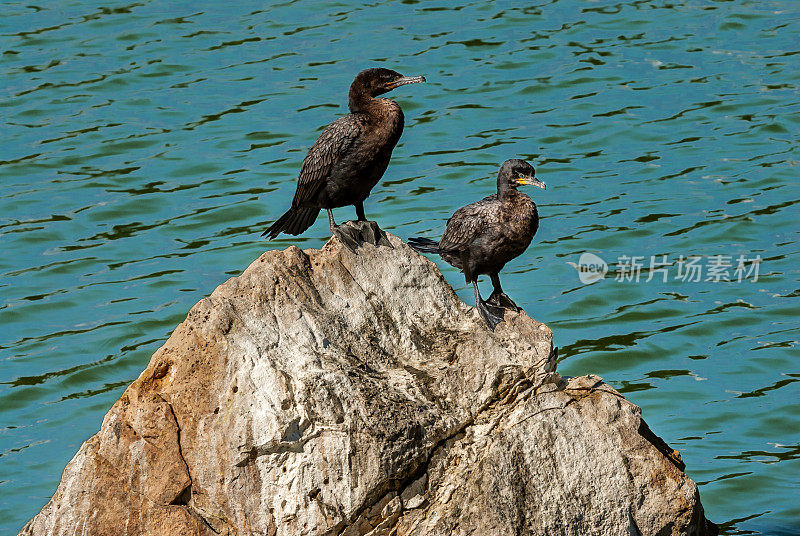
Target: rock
x,y
414,494
564,460
327,393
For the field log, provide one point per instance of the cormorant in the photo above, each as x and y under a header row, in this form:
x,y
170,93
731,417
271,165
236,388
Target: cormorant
x,y
482,237
348,159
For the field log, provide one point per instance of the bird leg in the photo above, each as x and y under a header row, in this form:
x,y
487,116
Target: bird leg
x,y
491,315
498,298
331,222
360,211
345,236
352,234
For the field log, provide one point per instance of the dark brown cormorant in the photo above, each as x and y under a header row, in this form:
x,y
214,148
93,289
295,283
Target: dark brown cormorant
x,y
348,160
482,237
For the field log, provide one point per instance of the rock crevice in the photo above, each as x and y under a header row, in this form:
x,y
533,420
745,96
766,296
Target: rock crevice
x,y
185,495
331,393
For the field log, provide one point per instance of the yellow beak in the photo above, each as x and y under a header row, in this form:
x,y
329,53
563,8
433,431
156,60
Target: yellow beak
x,y
528,180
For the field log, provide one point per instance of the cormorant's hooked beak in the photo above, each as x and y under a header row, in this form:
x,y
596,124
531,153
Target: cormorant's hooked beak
x,y
403,81
530,180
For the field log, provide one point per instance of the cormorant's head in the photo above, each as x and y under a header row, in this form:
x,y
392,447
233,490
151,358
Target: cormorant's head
x,y
378,81
515,172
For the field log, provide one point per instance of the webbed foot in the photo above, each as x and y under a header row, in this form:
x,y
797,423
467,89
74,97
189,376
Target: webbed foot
x,y
501,299
355,233
491,314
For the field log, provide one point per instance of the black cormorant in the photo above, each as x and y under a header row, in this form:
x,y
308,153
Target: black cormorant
x,y
348,160
482,237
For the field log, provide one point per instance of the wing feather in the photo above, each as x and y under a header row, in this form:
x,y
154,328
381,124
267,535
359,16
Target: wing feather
x,y
466,224
330,148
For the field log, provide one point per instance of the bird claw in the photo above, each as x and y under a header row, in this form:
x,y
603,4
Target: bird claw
x,y
353,234
501,299
346,237
491,314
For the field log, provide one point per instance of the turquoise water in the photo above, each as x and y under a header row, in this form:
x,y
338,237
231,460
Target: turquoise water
x,y
146,145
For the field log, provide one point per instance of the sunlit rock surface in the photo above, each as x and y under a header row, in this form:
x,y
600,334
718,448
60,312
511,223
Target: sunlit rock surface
x,y
327,392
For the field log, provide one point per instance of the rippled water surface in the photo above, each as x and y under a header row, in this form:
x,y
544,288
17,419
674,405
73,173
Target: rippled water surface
x,y
146,145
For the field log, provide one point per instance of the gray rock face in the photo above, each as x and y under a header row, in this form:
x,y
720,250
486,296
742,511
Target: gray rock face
x,y
331,393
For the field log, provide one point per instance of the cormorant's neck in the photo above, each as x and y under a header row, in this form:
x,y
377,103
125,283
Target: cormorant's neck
x,y
360,100
504,190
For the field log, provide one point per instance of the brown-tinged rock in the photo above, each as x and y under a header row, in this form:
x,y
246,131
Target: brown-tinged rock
x,y
324,392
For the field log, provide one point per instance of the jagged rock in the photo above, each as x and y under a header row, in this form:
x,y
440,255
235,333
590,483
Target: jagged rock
x,y
328,392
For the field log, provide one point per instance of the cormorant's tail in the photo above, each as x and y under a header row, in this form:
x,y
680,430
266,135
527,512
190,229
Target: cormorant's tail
x,y
294,222
424,245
